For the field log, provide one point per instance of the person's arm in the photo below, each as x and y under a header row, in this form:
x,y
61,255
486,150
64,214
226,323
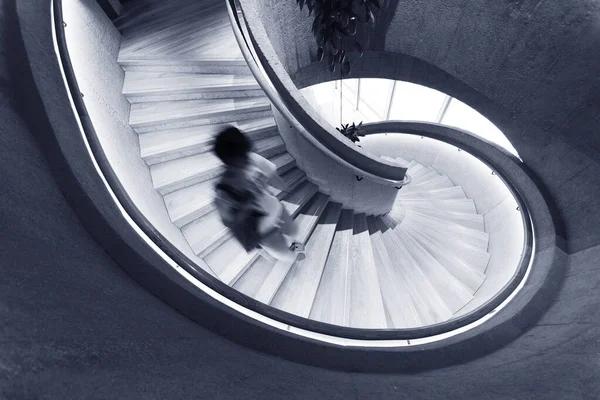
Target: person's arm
x,y
270,171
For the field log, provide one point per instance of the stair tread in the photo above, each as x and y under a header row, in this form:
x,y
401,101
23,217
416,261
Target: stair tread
x,y
332,301
468,220
471,277
204,232
137,83
474,237
464,251
298,290
401,309
366,303
431,306
306,220
455,192
154,113
454,205
454,293
183,205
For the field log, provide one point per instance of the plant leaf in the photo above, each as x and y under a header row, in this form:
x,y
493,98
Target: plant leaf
x,y
358,49
320,54
346,68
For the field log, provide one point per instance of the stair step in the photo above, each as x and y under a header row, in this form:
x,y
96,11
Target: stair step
x,y
299,288
252,279
206,233
455,192
177,174
471,255
466,206
430,305
423,175
292,179
294,202
332,301
306,221
162,115
172,86
161,146
202,65
401,310
471,277
454,293
436,182
472,221
366,303
190,203
474,237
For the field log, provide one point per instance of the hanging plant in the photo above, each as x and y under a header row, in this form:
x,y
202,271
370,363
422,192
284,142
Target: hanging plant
x,y
335,26
350,131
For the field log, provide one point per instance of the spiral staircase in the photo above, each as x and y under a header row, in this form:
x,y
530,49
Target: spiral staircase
x,y
418,265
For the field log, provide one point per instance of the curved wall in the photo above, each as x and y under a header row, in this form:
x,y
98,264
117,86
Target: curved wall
x,y
532,68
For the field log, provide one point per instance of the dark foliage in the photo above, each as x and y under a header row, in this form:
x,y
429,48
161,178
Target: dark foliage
x,y
335,26
350,131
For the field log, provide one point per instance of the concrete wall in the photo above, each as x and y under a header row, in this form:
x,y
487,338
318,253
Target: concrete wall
x,y
93,43
334,179
530,67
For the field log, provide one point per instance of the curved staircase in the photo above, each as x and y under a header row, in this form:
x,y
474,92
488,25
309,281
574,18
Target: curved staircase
x,y
185,78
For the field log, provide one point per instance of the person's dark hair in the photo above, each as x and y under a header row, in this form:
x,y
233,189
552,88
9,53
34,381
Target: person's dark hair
x,y
231,145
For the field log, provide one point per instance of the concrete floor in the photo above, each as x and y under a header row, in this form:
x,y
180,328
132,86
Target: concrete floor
x,y
75,326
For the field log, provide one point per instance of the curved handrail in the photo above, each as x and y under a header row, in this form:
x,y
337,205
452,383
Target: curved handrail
x,y
214,283
285,98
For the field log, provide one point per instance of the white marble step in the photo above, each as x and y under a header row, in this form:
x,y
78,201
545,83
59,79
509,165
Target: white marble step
x,y
292,179
473,221
252,279
455,192
466,206
366,303
294,202
332,301
192,202
307,220
177,174
400,307
169,86
424,174
206,233
428,302
471,255
454,293
203,65
471,277
162,115
474,237
162,146
230,259
398,160
435,182
297,293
